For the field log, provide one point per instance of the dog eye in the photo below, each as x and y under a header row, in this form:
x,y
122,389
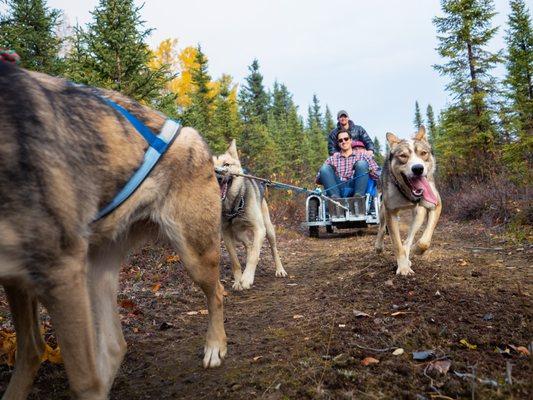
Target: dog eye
x,y
423,153
226,164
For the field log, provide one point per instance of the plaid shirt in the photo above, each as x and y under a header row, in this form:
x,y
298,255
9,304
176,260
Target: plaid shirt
x,y
343,166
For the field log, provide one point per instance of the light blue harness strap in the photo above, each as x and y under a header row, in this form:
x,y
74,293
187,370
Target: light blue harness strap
x,y
158,145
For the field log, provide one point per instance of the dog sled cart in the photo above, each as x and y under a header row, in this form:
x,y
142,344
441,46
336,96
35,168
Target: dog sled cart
x,y
341,213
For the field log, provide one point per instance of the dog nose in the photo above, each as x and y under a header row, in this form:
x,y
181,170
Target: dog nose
x,y
417,169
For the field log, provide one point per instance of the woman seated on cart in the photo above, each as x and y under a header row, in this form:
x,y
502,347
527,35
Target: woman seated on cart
x,y
350,171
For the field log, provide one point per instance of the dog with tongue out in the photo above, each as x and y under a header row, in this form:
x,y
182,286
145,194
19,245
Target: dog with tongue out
x,y
407,182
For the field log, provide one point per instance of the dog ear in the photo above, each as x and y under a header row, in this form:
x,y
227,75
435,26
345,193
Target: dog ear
x,y
421,134
232,149
392,139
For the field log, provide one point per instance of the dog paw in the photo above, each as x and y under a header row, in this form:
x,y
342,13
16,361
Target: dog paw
x,y
404,268
246,282
420,248
281,273
237,285
213,355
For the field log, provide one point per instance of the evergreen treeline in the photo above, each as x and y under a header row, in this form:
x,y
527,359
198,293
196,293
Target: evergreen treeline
x,y
487,129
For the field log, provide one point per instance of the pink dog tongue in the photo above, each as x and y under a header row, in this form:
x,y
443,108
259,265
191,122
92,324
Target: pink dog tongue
x,y
422,184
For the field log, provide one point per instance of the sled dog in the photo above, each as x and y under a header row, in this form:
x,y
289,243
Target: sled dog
x,y
245,219
407,182
64,154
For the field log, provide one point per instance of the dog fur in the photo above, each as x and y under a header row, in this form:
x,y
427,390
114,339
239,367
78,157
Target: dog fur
x,y
405,158
64,154
250,225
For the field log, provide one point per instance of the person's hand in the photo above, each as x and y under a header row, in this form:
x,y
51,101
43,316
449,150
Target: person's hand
x,y
370,153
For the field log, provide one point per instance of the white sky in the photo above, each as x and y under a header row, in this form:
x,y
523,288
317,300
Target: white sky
x,y
372,58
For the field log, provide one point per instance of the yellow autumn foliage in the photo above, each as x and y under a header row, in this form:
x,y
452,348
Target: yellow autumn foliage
x,y
8,350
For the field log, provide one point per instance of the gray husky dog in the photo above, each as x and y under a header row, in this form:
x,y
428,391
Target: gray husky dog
x,y
245,219
407,182
64,154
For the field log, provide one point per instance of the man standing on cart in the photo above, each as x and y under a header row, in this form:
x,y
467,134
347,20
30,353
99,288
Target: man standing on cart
x,y
357,133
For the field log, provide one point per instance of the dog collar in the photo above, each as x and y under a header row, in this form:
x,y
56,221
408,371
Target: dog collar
x,y
158,145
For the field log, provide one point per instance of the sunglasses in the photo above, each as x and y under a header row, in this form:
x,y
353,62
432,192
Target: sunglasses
x,y
345,139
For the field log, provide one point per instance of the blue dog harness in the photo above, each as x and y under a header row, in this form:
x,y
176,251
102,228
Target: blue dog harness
x,y
158,144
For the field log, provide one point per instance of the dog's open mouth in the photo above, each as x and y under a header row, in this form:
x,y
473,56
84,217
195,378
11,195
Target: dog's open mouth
x,y
224,183
420,187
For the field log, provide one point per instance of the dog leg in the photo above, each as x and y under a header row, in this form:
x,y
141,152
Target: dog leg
x,y
67,300
404,265
378,246
235,264
419,214
425,241
253,249
203,270
30,344
103,287
271,236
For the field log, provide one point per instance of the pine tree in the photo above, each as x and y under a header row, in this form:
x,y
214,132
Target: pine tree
x,y
112,53
378,152
317,151
431,125
29,27
199,113
465,31
226,123
329,123
519,63
253,98
417,122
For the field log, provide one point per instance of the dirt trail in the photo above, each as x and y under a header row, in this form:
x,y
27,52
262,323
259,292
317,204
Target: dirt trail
x,y
298,337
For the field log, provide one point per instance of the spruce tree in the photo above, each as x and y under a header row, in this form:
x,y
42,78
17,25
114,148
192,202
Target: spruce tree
x,y
431,125
378,152
417,122
29,27
112,53
199,113
317,151
519,63
226,123
464,33
253,98
329,123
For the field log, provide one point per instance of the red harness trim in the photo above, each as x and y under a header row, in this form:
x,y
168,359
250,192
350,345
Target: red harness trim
x,y
9,56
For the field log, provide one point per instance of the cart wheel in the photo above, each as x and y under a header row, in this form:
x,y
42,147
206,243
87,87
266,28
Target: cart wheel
x,y
313,231
329,229
313,216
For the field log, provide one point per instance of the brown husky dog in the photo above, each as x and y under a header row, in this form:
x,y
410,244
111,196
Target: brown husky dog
x,y
407,181
64,153
245,219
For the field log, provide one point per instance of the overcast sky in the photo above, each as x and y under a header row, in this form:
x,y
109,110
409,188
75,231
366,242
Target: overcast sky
x,y
372,58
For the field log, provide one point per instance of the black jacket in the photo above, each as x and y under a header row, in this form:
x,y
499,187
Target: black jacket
x,y
356,132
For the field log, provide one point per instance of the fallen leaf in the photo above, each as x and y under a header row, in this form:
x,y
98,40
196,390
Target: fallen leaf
x,y
297,316
174,258
257,358
465,343
358,313
191,312
398,352
127,303
423,355
156,287
440,367
52,355
523,350
389,282
369,360
462,262
203,312
394,314
342,325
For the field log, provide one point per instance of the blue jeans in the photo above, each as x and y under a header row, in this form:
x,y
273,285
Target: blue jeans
x,y
356,186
